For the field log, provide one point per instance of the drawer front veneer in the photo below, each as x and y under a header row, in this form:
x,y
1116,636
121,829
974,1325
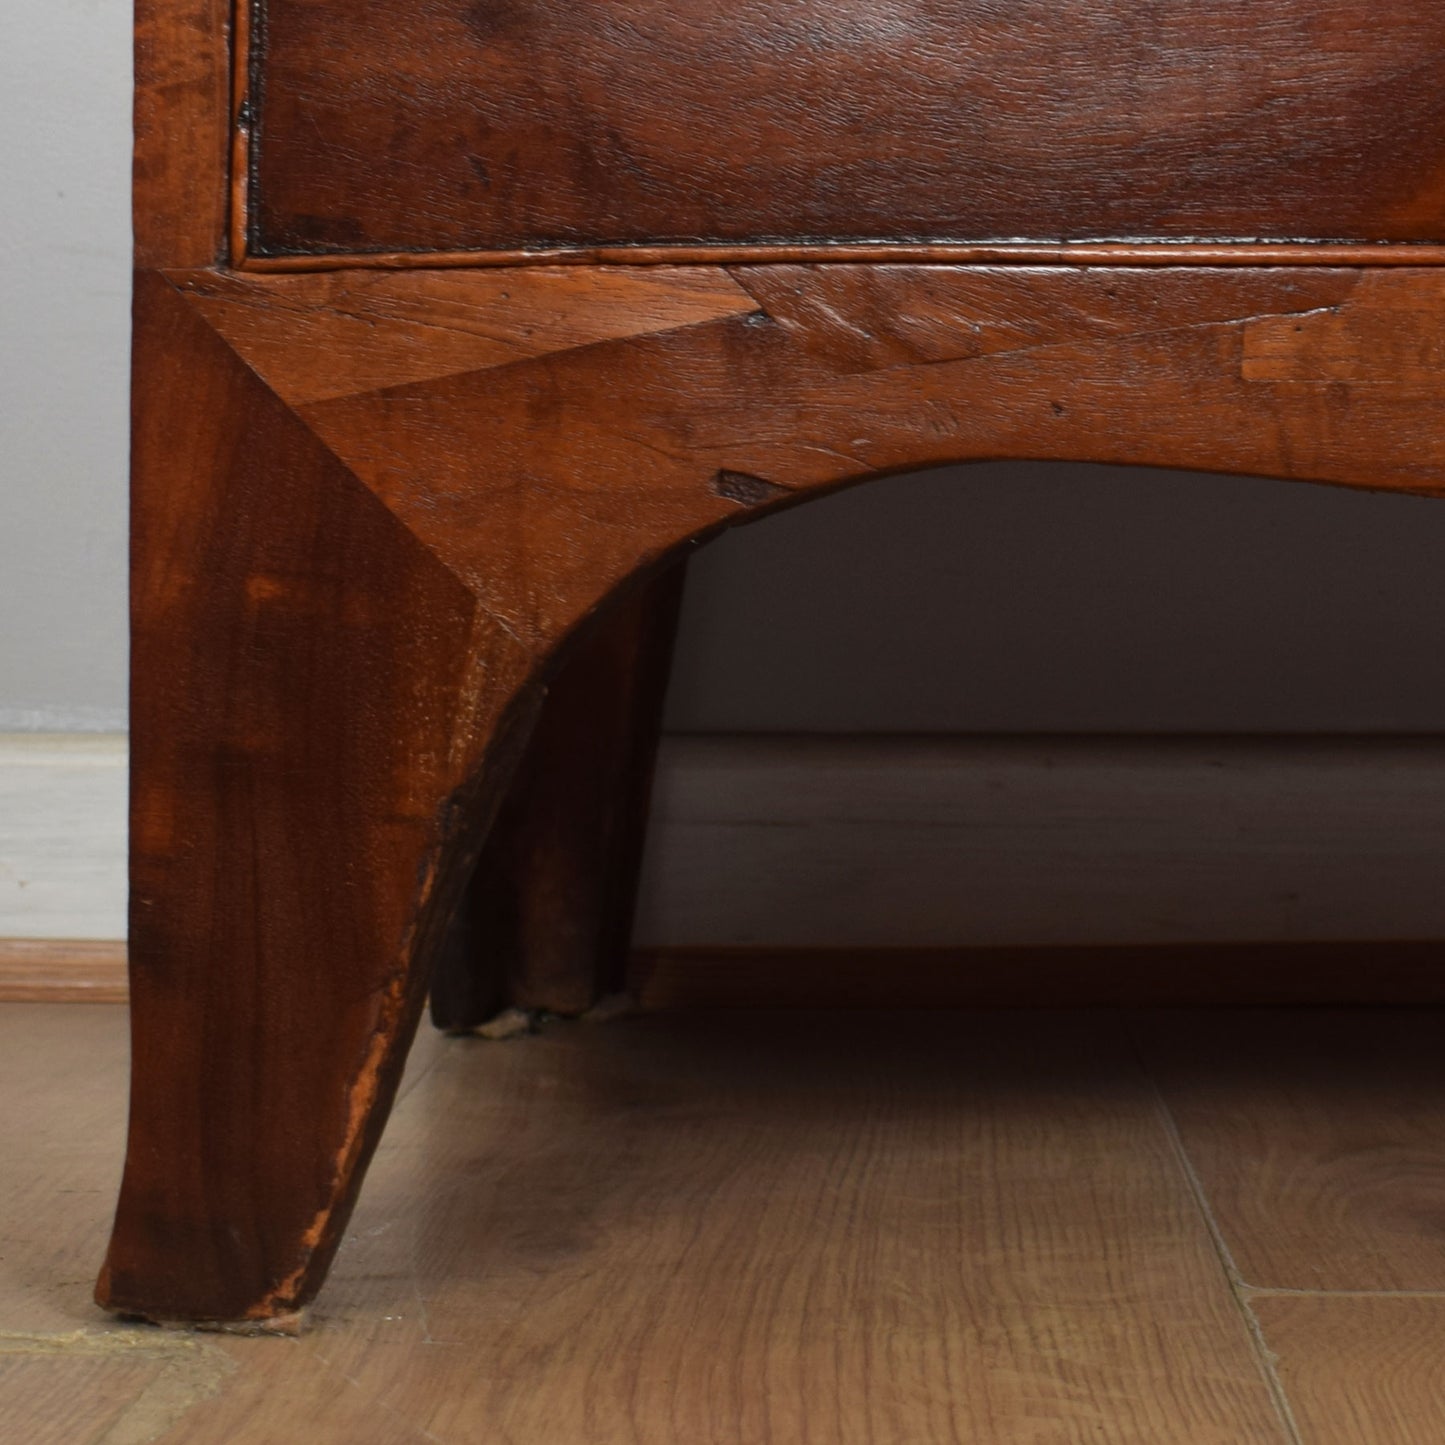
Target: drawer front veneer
x,y
421,125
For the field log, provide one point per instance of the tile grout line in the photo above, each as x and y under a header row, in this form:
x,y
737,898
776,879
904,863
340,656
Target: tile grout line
x,y
1241,1292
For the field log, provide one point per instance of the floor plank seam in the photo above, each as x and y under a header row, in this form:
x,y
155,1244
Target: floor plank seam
x,y
1281,1292
1264,1356
411,1075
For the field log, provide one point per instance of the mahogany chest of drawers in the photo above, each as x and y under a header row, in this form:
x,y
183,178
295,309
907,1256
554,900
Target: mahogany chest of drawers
x,y
459,321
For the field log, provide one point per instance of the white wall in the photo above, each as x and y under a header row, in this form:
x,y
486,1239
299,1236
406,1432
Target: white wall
x,y
64,301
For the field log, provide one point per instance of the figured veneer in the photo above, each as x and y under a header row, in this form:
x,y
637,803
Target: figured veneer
x,y
497,125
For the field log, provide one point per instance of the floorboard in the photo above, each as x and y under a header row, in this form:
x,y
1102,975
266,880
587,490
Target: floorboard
x,y
793,1229
773,1229
1318,1138
1360,1370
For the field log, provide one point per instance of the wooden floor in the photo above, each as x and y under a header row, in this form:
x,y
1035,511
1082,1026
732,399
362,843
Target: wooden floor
x,y
796,1229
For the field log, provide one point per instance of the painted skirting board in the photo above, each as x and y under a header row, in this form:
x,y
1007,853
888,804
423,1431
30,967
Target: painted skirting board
x,y
810,842
62,835
906,842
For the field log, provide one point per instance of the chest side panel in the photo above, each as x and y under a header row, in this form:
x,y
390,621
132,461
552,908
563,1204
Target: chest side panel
x,y
417,125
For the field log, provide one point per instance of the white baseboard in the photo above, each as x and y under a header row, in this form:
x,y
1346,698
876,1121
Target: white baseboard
x,y
887,842
62,835
61,721
884,842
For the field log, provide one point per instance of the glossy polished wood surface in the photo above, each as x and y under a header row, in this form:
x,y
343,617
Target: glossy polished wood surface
x,y
346,609
372,507
503,124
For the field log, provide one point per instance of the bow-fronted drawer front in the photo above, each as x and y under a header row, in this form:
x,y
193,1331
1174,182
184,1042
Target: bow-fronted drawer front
x,y
417,125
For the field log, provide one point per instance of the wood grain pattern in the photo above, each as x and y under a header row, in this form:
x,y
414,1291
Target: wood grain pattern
x,y
339,603
1317,1140
55,1399
282,623
928,1205
1360,1371
770,1230
62,1135
182,131
62,969
547,918
678,1169
1384,346
310,338
500,124
370,510
1120,366
62,1071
